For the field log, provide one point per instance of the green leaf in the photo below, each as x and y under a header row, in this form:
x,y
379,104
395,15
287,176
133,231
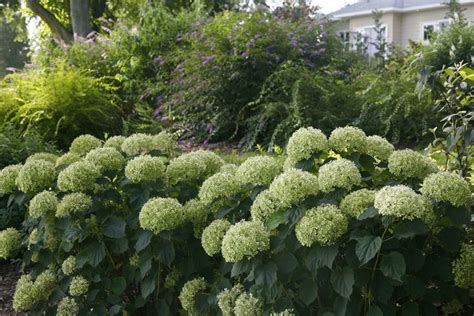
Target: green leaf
x,y
266,275
368,213
144,238
275,219
382,288
286,262
342,280
118,285
367,247
119,246
410,309
321,257
393,265
148,286
410,229
93,254
308,291
239,268
374,310
459,215
114,310
114,227
166,252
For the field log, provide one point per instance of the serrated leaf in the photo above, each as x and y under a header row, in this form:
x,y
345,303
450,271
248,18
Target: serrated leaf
x,y
118,285
342,280
93,254
393,265
410,229
286,262
374,310
144,238
368,213
114,227
266,275
308,291
321,257
148,286
367,247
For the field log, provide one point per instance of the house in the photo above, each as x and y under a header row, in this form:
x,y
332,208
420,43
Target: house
x,y
402,20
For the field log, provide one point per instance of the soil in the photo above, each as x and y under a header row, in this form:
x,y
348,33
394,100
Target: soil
x,y
9,274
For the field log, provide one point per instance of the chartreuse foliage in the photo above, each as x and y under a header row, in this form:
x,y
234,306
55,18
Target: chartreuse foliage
x,y
346,226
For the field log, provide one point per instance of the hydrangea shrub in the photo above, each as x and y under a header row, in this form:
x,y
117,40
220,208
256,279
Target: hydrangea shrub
x,y
346,225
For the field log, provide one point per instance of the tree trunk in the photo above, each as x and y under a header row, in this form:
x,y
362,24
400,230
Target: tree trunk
x,y
80,18
56,27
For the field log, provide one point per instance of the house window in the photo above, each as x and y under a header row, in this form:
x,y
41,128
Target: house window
x,y
430,28
346,38
368,38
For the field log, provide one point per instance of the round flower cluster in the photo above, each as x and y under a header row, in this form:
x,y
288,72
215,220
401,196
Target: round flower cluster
x,y
341,173
78,286
247,304
357,202
219,186
400,201
10,241
161,214
69,266
378,147
197,213
114,142
463,268
43,156
229,168
286,312
106,159
196,165
145,168
172,278
83,144
294,185
447,186
264,205
8,177
67,159
304,143
67,307
226,299
138,144
43,204
188,294
34,237
258,170
323,225
74,203
407,163
212,236
348,139
165,142
79,176
244,239
36,176
29,293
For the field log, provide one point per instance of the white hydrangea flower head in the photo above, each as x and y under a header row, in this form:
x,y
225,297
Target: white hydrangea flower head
x,y
258,170
145,168
67,307
229,168
165,142
463,268
378,147
159,214
10,242
8,177
197,213
83,144
348,140
106,159
226,299
220,186
138,144
305,142
69,266
67,159
323,225
400,201
78,286
447,187
45,284
33,238
188,294
74,204
286,312
36,176
244,239
43,204
294,185
340,173
43,156
212,236
247,305
78,176
194,166
114,142
357,202
172,278
264,205
408,163
26,295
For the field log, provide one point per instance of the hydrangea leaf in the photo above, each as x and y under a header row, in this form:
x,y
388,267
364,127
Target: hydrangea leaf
x,y
367,247
393,265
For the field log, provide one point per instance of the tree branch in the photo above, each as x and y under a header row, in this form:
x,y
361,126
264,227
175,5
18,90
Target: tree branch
x,y
56,27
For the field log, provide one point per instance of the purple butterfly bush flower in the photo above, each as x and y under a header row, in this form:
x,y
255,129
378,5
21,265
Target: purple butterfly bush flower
x,y
209,59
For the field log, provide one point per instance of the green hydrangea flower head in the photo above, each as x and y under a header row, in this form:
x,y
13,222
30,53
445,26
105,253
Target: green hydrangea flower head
x,y
159,214
145,168
357,202
194,166
400,201
43,156
34,237
26,294
340,173
45,284
379,148
67,307
407,163
258,170
78,286
226,299
43,204
247,305
36,176
463,268
138,144
114,142
83,144
264,205
197,212
69,266
74,204
106,159
67,159
286,312
447,187
134,260
78,176
165,142
323,225
244,239
172,278
348,140
188,294
292,186
229,168
10,242
8,177
219,186
305,142
212,236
